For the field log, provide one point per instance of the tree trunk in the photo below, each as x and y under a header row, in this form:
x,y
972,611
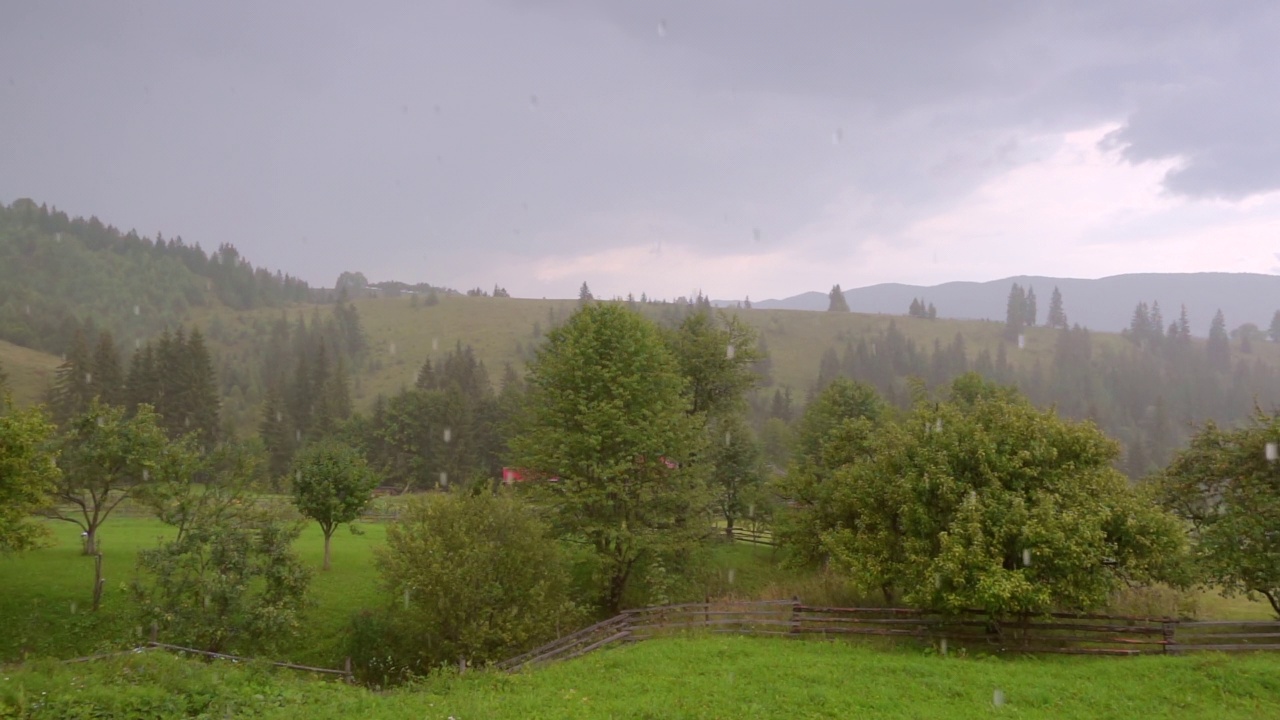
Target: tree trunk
x,y
91,542
327,536
728,527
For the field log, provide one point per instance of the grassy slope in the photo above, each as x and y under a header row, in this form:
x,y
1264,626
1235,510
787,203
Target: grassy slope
x,y
30,371
694,677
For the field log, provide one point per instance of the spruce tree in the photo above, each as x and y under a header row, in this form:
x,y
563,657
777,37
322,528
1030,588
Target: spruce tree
x,y
914,309
837,303
201,389
1015,313
932,312
1030,312
1274,331
584,293
73,382
107,383
1057,317
277,435
1218,348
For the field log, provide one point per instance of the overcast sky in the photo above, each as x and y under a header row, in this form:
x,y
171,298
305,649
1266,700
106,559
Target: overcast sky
x,y
733,146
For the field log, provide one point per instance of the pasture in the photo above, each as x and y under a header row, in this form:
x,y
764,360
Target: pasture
x,y
688,677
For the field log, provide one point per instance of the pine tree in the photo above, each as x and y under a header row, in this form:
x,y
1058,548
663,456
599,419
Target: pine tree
x,y
1057,316
747,304
1184,327
200,393
1218,347
276,433
1030,312
1157,323
1015,313
1274,331
584,293
838,303
1140,324
73,382
107,382
932,312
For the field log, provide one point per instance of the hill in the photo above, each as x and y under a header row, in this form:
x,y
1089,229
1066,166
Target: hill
x,y
29,371
1104,304
694,677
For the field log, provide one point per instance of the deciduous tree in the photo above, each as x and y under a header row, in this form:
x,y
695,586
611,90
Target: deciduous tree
x,y
28,474
332,484
607,417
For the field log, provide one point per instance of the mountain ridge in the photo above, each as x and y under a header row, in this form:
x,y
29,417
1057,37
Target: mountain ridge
x,y
1104,304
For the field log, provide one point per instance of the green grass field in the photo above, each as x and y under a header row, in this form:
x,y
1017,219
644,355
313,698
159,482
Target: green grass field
x,y
45,605
691,677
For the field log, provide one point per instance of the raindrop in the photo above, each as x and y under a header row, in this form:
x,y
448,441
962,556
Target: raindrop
x,y
1022,341
404,109
137,310
279,416
731,575
533,102
391,347
1026,557
73,607
937,581
206,602
444,479
137,343
297,476
57,237
751,510
88,377
435,344
146,474
186,422
997,698
944,647
728,439
729,352
448,434
297,436
937,425
406,598
837,137
755,234
1273,452
662,28
102,422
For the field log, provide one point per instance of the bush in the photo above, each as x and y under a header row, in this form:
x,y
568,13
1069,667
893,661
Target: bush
x,y
472,577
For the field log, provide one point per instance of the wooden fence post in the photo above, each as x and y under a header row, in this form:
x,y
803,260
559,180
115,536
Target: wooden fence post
x,y
795,615
706,612
155,632
1168,629
346,668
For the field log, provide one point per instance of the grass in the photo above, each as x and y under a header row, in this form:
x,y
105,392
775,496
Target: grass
x,y
689,677
45,606
30,371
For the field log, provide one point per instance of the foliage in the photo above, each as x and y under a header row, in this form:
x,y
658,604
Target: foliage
x,y
608,417
475,577
213,487
983,501
1224,486
332,484
835,429
736,467
227,583
106,456
716,354
28,474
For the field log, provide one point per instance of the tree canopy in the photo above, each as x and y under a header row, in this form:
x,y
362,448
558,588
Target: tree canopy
x,y
608,418
332,484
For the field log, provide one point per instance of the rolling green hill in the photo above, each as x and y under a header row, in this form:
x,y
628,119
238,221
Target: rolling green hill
x,y
30,371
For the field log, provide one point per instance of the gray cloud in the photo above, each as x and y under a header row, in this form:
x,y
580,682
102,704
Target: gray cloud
x,y
429,141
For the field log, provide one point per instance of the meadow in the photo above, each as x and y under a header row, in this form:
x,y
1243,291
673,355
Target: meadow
x,y
696,676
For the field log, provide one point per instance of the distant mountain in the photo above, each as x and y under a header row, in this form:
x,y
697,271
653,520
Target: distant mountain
x,y
1104,304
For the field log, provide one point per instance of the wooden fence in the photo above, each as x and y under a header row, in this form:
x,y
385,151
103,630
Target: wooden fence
x,y
1071,633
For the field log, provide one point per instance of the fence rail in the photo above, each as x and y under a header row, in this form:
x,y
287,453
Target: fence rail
x,y
345,673
1069,633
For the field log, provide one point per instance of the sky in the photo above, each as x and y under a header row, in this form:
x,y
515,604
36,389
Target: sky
x,y
731,147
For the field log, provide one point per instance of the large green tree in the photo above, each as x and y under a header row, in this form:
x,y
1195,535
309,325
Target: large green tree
x,y
983,501
608,419
1227,488
28,474
717,355
332,484
737,468
836,301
